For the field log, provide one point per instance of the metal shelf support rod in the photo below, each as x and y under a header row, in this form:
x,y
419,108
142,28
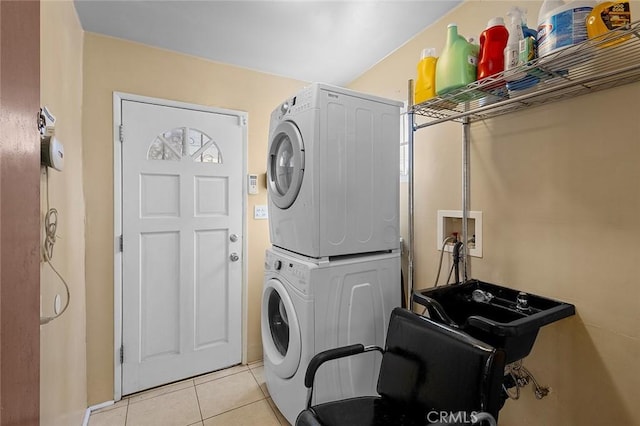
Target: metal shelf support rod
x,y
410,145
466,195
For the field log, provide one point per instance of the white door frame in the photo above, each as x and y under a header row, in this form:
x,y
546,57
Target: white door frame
x,y
118,97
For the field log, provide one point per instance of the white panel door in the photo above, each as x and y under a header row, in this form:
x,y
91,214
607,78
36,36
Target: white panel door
x,y
182,243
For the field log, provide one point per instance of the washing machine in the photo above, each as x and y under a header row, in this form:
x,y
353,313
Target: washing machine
x,y
309,306
333,172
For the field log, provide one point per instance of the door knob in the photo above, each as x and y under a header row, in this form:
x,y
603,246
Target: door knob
x,y
233,238
234,257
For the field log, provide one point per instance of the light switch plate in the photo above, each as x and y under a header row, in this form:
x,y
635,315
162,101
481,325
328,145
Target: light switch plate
x,y
260,212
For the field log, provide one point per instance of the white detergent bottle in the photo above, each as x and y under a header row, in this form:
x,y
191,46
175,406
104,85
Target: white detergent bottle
x,y
527,53
562,24
512,51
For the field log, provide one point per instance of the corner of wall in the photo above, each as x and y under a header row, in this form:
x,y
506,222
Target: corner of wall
x,y
63,381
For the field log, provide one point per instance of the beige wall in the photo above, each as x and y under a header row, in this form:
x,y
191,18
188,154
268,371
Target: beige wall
x,y
116,65
558,186
63,383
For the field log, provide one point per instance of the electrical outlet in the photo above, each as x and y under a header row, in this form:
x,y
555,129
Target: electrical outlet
x,y
260,212
450,223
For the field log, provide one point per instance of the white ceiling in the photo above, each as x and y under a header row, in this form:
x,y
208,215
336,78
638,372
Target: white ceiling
x,y
328,41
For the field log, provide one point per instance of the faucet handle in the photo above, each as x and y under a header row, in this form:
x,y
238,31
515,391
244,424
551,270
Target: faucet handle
x,y
522,301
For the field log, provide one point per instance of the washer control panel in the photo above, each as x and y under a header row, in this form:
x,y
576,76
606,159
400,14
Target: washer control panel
x,y
277,265
295,273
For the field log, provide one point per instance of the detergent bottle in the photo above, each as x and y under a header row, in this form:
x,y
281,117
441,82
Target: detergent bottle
x,y
529,45
493,41
426,79
562,24
512,50
457,64
527,51
608,16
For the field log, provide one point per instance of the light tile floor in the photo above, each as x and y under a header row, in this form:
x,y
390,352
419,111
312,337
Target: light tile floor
x,y
236,396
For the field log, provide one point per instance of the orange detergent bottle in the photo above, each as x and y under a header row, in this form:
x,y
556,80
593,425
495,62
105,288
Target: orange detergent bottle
x,y
426,80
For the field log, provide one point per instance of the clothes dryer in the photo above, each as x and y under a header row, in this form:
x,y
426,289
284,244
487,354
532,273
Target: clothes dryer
x,y
333,173
309,306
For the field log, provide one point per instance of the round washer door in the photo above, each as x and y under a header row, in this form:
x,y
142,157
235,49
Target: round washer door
x,y
286,164
281,338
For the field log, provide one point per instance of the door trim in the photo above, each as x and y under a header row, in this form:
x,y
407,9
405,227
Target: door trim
x,y
118,97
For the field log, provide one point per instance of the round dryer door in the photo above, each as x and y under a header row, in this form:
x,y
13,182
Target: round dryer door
x,y
280,330
286,164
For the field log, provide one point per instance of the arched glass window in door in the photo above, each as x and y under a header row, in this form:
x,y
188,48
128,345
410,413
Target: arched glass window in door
x,y
181,142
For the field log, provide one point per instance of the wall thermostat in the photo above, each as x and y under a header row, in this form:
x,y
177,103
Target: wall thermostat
x,y
252,183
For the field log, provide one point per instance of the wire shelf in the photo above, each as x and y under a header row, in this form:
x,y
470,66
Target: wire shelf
x,y
610,60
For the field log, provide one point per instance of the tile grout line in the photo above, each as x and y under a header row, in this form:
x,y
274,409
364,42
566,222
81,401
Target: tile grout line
x,y
264,398
162,394
195,389
193,381
239,407
195,386
259,385
275,414
273,410
223,377
126,413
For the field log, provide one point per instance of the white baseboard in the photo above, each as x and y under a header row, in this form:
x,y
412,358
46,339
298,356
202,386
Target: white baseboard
x,y
87,413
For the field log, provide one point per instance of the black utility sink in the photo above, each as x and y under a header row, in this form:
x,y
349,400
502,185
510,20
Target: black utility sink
x,y
503,317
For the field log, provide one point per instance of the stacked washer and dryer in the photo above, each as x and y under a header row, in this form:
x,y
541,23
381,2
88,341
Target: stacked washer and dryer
x,y
332,275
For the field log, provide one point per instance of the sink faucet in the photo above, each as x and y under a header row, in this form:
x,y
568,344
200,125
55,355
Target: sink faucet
x,y
522,302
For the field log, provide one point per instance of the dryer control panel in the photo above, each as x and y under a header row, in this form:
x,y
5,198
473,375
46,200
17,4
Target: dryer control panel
x,y
300,102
